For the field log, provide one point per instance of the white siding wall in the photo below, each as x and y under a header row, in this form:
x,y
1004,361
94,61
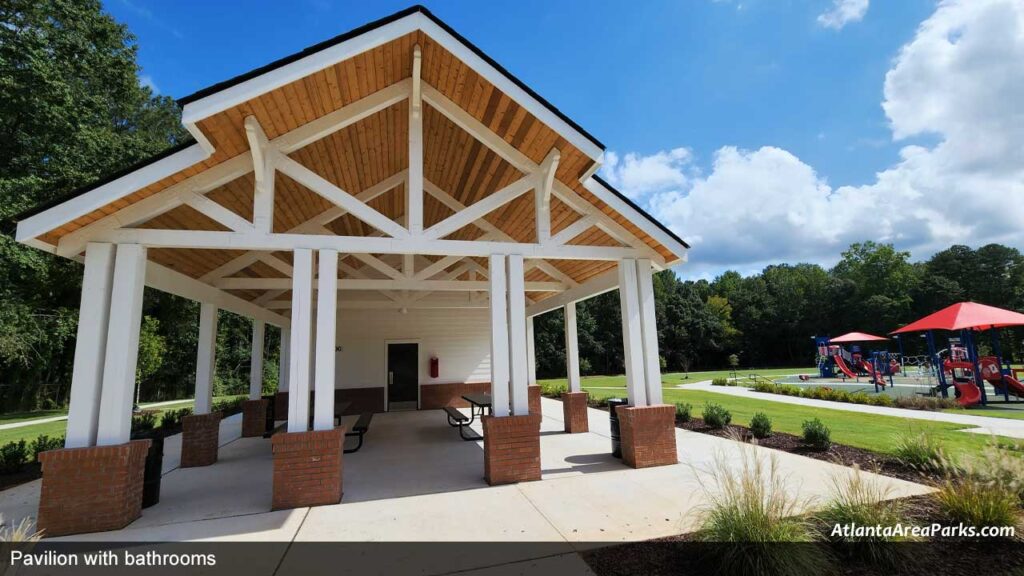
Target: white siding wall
x,y
459,338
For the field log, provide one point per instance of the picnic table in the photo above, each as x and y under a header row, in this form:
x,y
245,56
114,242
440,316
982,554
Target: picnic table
x,y
478,401
459,420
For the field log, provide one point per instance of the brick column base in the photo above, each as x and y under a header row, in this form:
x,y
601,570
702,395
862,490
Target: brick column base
x,y
199,438
281,406
511,449
648,435
574,412
254,417
307,468
91,489
533,397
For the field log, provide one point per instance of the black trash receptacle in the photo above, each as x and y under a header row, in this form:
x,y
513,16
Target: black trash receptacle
x,y
269,427
613,419
153,473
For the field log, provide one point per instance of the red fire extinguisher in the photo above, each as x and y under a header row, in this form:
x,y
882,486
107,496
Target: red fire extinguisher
x,y
434,367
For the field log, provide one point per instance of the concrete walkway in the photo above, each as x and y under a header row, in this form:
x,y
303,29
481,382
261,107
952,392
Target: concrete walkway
x,y
416,480
48,419
973,424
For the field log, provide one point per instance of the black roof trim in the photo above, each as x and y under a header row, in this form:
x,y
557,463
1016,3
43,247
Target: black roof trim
x,y
102,181
368,28
633,205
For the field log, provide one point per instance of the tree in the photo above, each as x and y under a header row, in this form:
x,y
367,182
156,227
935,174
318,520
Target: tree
x,y
152,348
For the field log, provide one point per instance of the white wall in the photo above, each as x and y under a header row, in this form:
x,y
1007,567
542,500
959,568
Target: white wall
x,y
459,338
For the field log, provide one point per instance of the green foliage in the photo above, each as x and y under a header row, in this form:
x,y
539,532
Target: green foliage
x,y
144,421
734,361
716,416
754,511
12,456
228,407
977,502
921,451
171,419
816,434
684,411
44,443
761,425
553,389
722,382
858,501
152,348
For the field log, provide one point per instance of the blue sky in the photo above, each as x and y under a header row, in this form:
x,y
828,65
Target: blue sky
x,y
721,94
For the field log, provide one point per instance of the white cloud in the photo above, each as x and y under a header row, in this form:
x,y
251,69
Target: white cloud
x,y
147,81
958,79
843,12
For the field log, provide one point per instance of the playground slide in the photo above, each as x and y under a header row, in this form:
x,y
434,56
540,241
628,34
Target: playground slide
x,y
970,394
1012,383
842,366
877,378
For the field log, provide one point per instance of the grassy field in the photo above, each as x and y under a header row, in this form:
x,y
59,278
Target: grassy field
x,y
867,431
31,432
671,379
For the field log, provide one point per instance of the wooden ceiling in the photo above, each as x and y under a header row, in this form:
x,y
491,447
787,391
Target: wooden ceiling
x,y
375,148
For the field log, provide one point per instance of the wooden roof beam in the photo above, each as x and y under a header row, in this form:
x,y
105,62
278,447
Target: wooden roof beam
x,y
414,190
542,195
263,170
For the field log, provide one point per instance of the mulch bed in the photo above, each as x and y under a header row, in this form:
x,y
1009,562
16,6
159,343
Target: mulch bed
x,y
27,473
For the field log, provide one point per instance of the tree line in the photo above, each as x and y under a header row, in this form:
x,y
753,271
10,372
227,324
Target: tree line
x,y
72,111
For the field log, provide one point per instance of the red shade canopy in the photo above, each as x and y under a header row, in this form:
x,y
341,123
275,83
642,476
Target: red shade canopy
x,y
966,316
856,337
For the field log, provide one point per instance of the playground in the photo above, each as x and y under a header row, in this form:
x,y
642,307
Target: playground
x,y
960,357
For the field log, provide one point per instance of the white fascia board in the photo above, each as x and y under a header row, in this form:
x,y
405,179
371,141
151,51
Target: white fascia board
x,y
622,207
604,283
101,196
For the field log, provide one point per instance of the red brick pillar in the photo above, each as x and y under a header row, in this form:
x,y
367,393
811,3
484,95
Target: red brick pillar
x,y
648,435
199,439
511,449
91,489
254,417
533,397
574,412
307,468
281,406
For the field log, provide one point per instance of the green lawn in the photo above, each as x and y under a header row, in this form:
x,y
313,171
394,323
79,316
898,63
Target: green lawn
x,y
30,433
867,431
990,411
672,379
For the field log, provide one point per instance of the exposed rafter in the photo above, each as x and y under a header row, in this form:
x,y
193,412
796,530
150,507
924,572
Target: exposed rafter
x,y
263,170
372,284
414,190
546,180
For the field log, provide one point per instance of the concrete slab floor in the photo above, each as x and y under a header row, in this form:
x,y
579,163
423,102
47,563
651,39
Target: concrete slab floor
x,y
415,479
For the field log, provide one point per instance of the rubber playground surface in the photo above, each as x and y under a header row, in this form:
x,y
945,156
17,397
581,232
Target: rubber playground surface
x,y
901,386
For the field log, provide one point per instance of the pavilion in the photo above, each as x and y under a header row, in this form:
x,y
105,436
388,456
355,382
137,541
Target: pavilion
x,y
400,207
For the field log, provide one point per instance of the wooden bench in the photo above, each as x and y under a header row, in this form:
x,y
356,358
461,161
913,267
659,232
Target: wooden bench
x,y
459,420
359,429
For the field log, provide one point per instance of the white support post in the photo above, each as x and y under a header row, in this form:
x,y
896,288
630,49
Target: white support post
x,y
206,361
649,329
572,348
517,336
326,325
283,363
259,329
301,339
263,170
499,335
632,337
542,195
90,346
531,354
122,349
415,185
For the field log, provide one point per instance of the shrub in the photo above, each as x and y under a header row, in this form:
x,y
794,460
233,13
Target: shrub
x,y
716,416
553,389
880,400
920,451
754,511
721,382
44,443
761,425
856,500
683,412
977,502
766,387
817,435
171,419
228,407
1000,464
12,456
144,421
23,531
860,398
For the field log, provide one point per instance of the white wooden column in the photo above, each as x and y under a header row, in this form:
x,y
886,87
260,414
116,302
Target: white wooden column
x,y
632,335
517,336
282,361
649,329
259,329
90,346
415,185
206,361
499,335
326,325
299,358
531,354
572,348
122,349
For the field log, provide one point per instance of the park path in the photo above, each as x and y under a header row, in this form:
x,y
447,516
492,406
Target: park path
x,y
48,419
973,424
